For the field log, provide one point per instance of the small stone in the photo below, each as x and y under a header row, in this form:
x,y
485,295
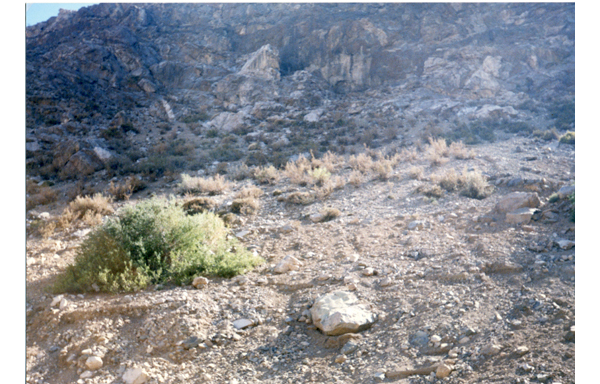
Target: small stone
x,y
565,244
368,272
340,359
56,300
443,371
491,349
349,347
262,281
93,363
243,323
200,282
135,376
417,224
86,375
191,342
521,350
64,303
289,263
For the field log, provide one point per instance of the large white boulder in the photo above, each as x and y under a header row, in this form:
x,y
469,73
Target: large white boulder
x,y
516,200
340,312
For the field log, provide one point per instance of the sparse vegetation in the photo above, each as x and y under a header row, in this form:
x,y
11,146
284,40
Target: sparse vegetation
x,y
213,185
266,175
297,170
546,135
302,198
475,186
319,175
195,205
124,190
245,205
153,242
39,194
361,162
568,138
416,173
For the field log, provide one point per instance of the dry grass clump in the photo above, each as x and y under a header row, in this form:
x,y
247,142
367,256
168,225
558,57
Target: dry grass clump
x,y
449,180
245,206
297,170
302,198
415,173
433,191
356,178
409,155
475,185
328,214
123,191
240,172
329,161
213,185
198,205
39,195
249,192
385,166
362,163
438,146
266,175
88,209
470,184
460,151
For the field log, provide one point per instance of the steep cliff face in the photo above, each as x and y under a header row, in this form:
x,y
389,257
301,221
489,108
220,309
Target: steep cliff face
x,y
84,67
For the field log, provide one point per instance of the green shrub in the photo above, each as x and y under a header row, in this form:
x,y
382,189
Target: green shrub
x,y
319,175
154,242
572,198
568,138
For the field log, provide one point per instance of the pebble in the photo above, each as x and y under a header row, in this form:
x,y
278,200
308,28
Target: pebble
x,y
242,323
443,371
340,359
521,350
349,347
86,375
93,363
135,376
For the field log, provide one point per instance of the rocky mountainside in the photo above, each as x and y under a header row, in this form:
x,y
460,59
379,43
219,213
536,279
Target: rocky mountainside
x,y
405,173
108,75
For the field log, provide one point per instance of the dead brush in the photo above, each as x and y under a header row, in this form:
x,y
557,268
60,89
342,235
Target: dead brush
x,y
361,162
409,155
39,195
328,214
123,191
88,209
329,161
240,172
415,173
266,175
249,192
475,185
213,185
195,205
356,178
436,152
431,191
459,151
245,206
301,198
297,170
384,167
449,180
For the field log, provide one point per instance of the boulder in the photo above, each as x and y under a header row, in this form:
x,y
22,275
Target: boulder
x,y
135,376
93,363
566,191
340,312
516,200
79,164
289,263
228,121
520,216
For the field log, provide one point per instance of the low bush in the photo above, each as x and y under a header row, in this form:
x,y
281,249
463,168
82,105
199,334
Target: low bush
x,y
302,198
249,192
361,162
154,242
475,186
39,195
415,173
433,191
124,190
319,175
297,170
214,185
568,138
546,135
245,206
266,175
328,214
197,205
